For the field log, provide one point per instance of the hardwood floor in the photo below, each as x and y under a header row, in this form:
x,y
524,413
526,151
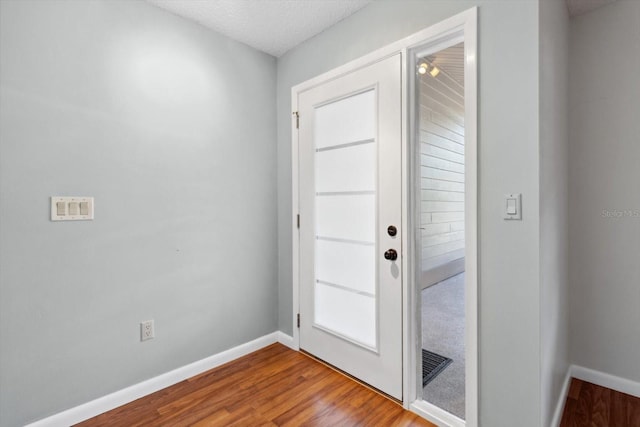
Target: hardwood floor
x,y
594,406
274,386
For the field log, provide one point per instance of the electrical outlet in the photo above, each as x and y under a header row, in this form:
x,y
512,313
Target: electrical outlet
x,y
146,330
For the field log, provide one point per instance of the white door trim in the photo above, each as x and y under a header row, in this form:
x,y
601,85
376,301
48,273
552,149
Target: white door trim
x,y
462,27
464,23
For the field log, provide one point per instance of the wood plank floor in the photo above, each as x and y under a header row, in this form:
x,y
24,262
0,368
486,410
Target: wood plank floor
x,y
594,406
274,386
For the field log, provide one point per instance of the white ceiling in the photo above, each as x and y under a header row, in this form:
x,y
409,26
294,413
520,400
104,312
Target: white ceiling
x,y
272,26
275,26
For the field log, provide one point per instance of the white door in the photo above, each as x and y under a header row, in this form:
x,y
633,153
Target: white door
x,y
349,201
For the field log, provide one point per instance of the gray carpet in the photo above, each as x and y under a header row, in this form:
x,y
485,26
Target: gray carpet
x,y
443,333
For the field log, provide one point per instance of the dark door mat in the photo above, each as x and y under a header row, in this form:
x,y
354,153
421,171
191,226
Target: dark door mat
x,y
432,365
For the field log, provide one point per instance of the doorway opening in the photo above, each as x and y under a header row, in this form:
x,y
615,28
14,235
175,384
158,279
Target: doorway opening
x,y
440,133
442,193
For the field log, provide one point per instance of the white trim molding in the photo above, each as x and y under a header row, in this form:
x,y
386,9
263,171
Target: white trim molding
x,y
623,385
136,391
459,28
603,379
557,415
286,340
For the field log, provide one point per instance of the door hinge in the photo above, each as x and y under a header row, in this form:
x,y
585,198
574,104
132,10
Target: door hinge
x,y
295,113
298,221
298,320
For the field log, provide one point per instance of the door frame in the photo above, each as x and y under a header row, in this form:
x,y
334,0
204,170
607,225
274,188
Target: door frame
x,y
462,25
465,31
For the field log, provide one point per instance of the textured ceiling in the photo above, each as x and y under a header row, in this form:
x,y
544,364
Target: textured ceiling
x,y
580,7
272,26
275,26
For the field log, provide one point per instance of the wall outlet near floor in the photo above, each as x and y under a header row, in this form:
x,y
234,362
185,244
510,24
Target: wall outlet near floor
x,y
146,330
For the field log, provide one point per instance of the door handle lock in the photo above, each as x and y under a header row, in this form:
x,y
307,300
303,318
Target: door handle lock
x,y
391,255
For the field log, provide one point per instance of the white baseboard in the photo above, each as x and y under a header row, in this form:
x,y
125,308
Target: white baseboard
x,y
602,379
442,272
613,382
557,415
287,340
136,391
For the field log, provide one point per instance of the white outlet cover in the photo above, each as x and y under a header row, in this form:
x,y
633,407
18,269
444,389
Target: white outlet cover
x,y
147,330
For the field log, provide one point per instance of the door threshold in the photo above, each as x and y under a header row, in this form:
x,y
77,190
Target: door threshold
x,y
436,415
351,377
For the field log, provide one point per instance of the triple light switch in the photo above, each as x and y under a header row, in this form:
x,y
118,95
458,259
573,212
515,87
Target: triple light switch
x,y
71,208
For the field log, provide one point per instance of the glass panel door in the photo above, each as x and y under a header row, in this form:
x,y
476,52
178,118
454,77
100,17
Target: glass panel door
x,y
350,181
345,159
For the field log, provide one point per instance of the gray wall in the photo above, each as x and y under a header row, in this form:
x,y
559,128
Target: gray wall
x,y
604,177
172,129
509,291
554,205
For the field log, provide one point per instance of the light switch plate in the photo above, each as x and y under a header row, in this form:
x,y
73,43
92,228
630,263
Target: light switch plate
x,y
511,201
76,202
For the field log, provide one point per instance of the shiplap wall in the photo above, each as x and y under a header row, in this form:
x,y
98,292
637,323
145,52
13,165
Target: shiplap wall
x,y
442,170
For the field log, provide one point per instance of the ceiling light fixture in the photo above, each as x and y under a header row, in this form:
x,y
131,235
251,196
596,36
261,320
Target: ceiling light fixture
x,y
425,67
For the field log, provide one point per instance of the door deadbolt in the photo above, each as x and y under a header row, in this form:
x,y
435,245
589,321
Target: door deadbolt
x,y
391,255
392,230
